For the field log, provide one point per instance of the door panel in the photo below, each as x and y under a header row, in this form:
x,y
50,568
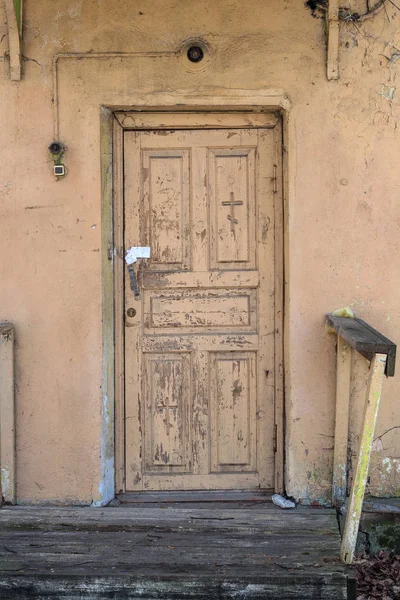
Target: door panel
x,y
166,197
199,352
231,176
233,412
210,311
167,384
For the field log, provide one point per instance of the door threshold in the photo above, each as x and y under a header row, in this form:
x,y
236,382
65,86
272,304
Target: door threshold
x,y
259,496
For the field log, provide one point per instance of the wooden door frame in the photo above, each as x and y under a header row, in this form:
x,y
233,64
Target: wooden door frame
x,y
111,146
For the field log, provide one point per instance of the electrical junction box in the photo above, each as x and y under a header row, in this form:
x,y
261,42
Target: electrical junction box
x,y
59,170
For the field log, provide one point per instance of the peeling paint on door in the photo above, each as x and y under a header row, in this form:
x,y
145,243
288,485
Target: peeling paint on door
x,y
207,415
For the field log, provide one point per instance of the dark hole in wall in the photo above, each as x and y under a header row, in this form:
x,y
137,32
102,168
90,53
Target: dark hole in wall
x,y
318,8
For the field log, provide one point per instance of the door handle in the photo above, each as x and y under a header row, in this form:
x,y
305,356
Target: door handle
x,y
134,284
131,257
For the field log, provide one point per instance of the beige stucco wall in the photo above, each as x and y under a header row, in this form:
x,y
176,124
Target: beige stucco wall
x,y
342,212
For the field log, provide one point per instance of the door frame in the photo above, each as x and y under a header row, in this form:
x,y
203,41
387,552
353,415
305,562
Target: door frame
x,y
111,152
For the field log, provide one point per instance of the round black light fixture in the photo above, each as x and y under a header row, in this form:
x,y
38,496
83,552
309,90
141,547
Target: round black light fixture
x,y
56,148
195,54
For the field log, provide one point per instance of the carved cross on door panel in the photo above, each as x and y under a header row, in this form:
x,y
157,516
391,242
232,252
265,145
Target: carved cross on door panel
x,y
232,203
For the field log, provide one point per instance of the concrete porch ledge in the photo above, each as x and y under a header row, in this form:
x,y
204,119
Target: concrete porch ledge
x,y
379,525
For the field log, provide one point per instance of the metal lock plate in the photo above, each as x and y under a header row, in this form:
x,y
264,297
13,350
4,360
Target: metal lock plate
x,y
131,312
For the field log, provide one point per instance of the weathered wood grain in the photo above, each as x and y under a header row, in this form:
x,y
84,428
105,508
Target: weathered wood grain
x,y
199,410
254,517
365,339
235,497
171,553
333,46
285,587
7,415
14,36
119,316
371,408
343,371
196,120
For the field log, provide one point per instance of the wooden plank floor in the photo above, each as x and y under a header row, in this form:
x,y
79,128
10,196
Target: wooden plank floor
x,y
171,552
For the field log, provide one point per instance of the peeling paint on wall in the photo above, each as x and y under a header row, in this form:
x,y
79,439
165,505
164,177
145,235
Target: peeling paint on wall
x,y
387,91
341,150
5,481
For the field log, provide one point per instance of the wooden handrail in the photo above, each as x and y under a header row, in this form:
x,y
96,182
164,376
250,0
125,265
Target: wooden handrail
x,y
364,339
370,343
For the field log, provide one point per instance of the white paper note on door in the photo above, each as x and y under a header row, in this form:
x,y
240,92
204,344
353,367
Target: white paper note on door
x,y
136,252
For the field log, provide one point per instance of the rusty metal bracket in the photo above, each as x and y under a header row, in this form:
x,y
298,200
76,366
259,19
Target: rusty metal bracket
x,y
14,23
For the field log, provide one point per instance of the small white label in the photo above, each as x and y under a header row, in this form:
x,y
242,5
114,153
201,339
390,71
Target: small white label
x,y
142,251
130,257
136,252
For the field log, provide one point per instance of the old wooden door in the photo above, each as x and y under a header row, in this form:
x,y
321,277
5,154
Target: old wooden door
x,y
199,344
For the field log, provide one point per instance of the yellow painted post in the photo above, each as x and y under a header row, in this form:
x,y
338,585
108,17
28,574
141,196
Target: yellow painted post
x,y
343,369
349,539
